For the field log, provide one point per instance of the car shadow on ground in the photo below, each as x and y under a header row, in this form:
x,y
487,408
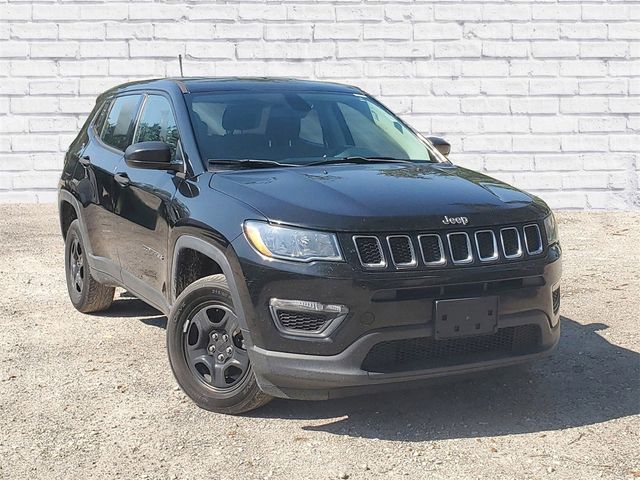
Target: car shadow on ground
x,y
587,381
127,306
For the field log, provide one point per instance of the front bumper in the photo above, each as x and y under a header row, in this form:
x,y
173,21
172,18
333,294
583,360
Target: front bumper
x,y
316,377
382,308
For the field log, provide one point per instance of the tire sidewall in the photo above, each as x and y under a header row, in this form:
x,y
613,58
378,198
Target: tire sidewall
x,y
194,297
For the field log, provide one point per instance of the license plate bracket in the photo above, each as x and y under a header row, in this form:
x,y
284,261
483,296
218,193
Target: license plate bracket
x,y
465,317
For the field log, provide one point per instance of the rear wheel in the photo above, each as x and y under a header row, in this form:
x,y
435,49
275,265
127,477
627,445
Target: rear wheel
x,y
86,293
206,350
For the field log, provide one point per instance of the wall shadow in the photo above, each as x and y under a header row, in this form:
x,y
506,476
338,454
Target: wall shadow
x,y
587,381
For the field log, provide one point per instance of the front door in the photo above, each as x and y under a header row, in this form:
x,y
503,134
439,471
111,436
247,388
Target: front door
x,y
144,206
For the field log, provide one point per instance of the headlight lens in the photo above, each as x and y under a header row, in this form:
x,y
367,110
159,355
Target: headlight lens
x,y
292,243
551,228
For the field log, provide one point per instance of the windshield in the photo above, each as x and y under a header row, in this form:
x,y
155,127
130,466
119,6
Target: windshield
x,y
301,128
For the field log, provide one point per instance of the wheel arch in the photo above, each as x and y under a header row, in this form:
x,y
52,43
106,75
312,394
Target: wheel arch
x,y
68,214
222,260
68,203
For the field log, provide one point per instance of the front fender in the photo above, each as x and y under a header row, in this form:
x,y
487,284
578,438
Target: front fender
x,y
221,252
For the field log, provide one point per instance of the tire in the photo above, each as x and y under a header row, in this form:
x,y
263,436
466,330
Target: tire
x,y
86,293
206,351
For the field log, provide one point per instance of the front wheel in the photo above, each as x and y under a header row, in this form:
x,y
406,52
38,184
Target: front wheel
x,y
206,350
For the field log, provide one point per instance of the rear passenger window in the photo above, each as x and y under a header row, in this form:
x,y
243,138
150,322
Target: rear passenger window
x,y
158,124
118,128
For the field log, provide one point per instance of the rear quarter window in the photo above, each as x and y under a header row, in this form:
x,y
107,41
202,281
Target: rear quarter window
x,y
98,121
118,127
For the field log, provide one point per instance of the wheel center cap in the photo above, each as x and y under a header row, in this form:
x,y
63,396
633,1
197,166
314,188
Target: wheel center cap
x,y
220,345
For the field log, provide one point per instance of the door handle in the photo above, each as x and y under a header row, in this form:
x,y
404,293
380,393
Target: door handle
x,y
122,179
85,160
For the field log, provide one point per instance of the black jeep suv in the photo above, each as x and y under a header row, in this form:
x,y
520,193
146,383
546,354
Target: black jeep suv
x,y
303,240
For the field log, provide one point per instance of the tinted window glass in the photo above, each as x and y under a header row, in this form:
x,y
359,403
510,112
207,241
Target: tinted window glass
x,y
98,121
118,128
157,123
372,128
310,128
300,127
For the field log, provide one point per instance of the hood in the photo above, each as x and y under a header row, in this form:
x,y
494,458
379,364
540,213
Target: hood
x,y
378,197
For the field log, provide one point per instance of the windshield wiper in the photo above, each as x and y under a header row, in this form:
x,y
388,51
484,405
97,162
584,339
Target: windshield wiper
x,y
248,163
358,159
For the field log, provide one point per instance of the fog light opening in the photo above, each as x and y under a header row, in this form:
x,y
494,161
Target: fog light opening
x,y
556,300
306,318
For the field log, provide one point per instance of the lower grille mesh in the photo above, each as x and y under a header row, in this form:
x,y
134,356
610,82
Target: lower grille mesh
x,y
556,300
305,321
425,352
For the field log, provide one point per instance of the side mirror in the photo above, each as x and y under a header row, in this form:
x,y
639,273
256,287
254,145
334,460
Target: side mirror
x,y
441,145
149,155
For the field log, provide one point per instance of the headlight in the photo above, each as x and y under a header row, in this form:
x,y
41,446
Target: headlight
x,y
551,228
291,243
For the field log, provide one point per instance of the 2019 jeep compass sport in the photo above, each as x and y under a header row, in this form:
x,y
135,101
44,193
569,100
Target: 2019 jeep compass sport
x,y
303,240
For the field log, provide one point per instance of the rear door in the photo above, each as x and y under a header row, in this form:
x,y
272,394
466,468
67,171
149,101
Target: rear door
x,y
108,136
144,205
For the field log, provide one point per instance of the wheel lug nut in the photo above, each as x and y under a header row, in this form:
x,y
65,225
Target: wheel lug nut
x,y
212,348
221,358
225,338
229,350
214,337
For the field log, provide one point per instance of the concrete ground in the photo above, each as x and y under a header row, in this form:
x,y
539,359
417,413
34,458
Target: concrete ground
x,y
92,396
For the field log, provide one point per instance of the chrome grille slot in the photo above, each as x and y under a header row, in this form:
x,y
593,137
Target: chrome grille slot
x,y
510,239
401,249
486,245
457,246
369,251
460,247
532,239
432,249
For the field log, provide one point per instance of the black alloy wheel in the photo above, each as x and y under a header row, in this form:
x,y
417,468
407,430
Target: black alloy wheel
x,y
76,265
208,355
86,293
214,348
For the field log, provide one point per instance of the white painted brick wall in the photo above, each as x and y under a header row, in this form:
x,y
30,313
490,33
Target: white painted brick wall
x,y
544,94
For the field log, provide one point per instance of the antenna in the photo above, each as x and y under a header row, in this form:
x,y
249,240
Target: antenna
x,y
180,60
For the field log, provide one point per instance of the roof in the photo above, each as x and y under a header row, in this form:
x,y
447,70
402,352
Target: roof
x,y
212,84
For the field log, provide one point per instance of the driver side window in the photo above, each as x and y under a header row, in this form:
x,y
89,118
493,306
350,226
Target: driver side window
x,y
157,124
